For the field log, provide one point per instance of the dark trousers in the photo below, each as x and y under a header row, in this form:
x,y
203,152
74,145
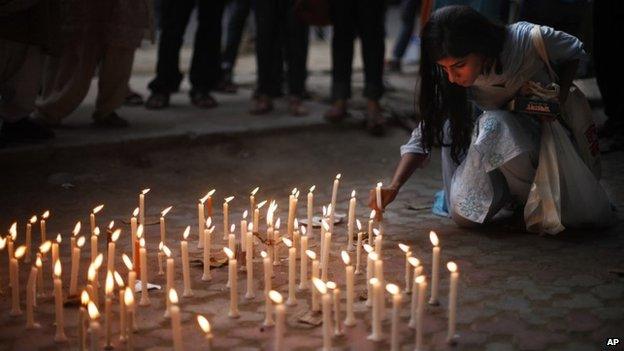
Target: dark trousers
x,y
609,20
280,34
409,10
363,18
239,11
206,59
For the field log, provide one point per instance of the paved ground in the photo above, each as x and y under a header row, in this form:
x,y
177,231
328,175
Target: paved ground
x,y
517,290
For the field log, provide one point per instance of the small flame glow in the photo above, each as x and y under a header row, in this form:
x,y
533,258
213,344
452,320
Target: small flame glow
x,y
263,254
208,222
127,261
372,214
77,227
245,214
142,243
111,224
203,323
38,262
19,252
58,269
278,223
128,296
33,219
228,199
2,243
325,225
110,283
303,230
232,228
413,261
353,193
96,231
434,238
259,206
139,231
451,266
311,254
368,248
115,235
45,247
296,223
376,231
98,261
135,212
420,279
249,227
358,224
13,231
118,279
392,288
173,296
404,247
186,233
330,285
97,209
165,211
276,297
145,191
228,253
253,192
45,215
84,298
58,238
338,176
166,250
81,241
373,281
287,242
319,285
93,310
312,188
345,257
373,255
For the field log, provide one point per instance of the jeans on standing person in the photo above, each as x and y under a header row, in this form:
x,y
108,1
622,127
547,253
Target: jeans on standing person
x,y
409,10
239,11
204,72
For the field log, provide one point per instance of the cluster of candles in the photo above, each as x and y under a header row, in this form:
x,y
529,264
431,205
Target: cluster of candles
x,y
325,295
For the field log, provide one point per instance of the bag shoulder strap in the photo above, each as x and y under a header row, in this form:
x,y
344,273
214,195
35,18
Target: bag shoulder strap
x,y
540,47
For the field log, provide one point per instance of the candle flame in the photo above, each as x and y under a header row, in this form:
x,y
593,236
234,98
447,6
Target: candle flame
x,y
84,298
58,238
127,261
45,247
319,285
38,262
13,231
297,194
303,230
373,281
249,227
211,192
173,296
186,233
325,225
110,283
203,199
253,192
376,231
118,279
263,254
33,219
434,238
142,243
368,248
93,310
276,297
203,323
345,257
287,242
96,231
293,192
160,245
353,193
358,224
379,184
324,211
128,296
392,288
91,271
245,214
57,268
46,214
420,279
296,223
451,266
278,223
166,250
97,209
373,255
372,214
145,191
312,188
81,241
330,285
228,253
232,228
98,261
115,235
135,212
111,224
404,248
139,231
77,227
208,222
19,252
329,209
165,211
338,176
259,206
2,243
228,199
413,261
311,254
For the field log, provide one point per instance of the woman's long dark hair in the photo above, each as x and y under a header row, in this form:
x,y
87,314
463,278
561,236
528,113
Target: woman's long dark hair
x,y
452,31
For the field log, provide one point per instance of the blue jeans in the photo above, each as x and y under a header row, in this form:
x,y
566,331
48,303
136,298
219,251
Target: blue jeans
x,y
409,10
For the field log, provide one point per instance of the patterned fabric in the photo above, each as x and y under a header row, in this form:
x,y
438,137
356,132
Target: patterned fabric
x,y
499,136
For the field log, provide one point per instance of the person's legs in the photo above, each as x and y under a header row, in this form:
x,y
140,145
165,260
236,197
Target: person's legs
x,y
268,47
205,71
235,27
409,10
370,23
343,17
296,54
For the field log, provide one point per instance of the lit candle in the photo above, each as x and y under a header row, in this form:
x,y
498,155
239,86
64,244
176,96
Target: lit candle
x,y
226,216
420,312
201,219
110,260
256,216
249,262
142,206
376,321
243,232
378,198
452,311
310,209
161,255
58,303
322,289
378,241
350,318
29,225
75,264
163,226
170,277
315,274
231,246
92,274
205,327
207,276
11,240
55,251
108,304
252,199
414,262
266,262
351,222
176,325
396,304
408,268
296,237
280,318
30,299
94,243
3,242
14,279
143,259
92,216
233,278
378,263
72,239
94,326
42,225
333,200
122,307
303,273
358,247
186,271
43,250
370,225
82,317
435,268
134,241
129,302
325,255
292,266
276,236
369,274
292,205
336,299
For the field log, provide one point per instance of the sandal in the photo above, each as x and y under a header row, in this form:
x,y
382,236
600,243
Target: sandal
x,y
337,113
375,122
157,101
262,105
133,99
296,107
203,100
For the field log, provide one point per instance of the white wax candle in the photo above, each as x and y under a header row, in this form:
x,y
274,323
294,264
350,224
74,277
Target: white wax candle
x,y
292,266
350,317
176,324
326,302
30,298
201,221
325,264
335,191
94,332
186,271
378,197
396,305
266,263
435,268
351,222
376,334
207,276
163,225
256,218
108,305
133,239
336,302
15,287
249,263
28,257
420,311
280,318
452,311
59,336
358,253
144,279
226,217
42,226
75,262
243,233
408,267
310,209
122,316
291,215
39,265
142,206
233,278
129,302
380,276
169,285
303,273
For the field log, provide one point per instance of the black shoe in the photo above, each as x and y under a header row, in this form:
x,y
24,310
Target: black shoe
x,y
25,129
112,120
393,66
203,99
157,101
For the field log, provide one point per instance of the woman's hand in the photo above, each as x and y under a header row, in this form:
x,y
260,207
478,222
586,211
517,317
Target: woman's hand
x,y
387,196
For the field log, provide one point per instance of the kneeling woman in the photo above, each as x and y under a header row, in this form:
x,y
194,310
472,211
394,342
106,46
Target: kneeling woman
x,y
488,161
